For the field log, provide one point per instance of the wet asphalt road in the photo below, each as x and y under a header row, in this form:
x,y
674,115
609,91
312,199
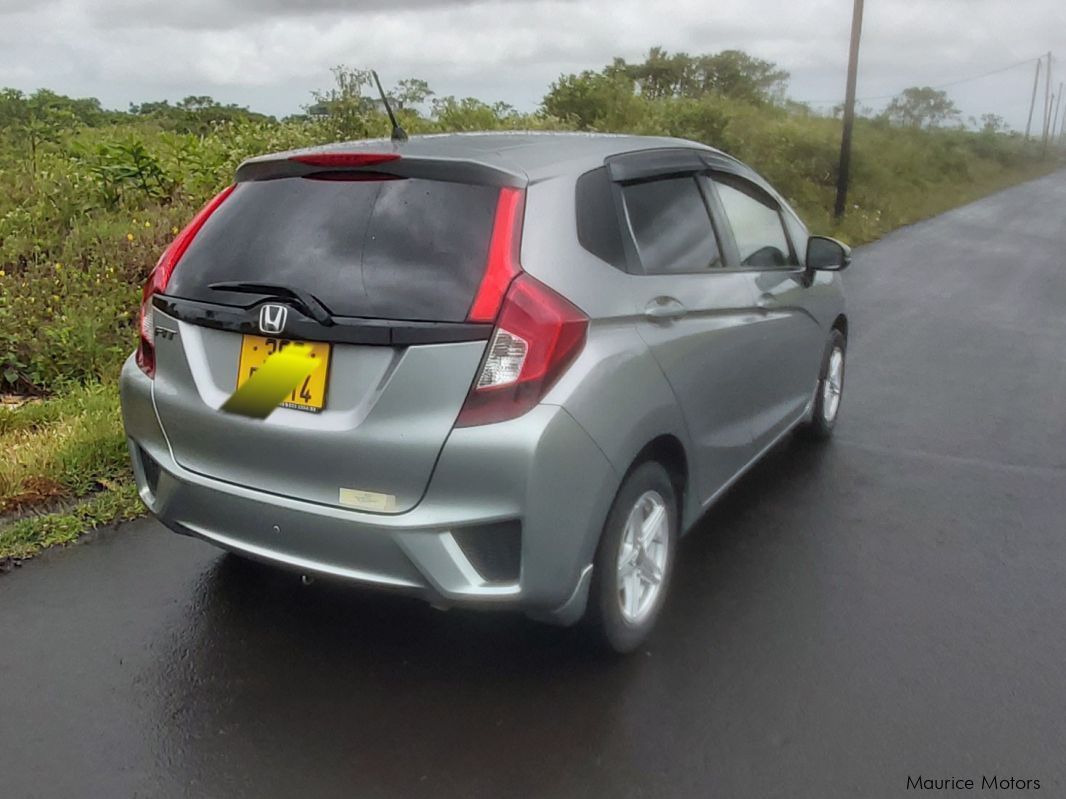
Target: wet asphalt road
x,y
889,605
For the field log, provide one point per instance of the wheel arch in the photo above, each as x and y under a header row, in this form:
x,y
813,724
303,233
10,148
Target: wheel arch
x,y
841,324
668,451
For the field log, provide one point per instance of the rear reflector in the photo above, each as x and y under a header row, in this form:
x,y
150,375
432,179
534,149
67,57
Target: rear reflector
x,y
503,263
150,468
342,160
538,335
160,276
494,550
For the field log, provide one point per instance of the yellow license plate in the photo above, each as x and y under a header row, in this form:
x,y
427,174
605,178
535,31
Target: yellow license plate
x,y
311,395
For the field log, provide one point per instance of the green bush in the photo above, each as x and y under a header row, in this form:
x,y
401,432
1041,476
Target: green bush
x,y
88,198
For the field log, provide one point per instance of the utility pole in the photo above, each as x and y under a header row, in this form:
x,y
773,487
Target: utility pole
x,y
1032,102
1047,99
849,111
1055,114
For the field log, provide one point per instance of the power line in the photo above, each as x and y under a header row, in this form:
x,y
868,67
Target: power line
x,y
941,86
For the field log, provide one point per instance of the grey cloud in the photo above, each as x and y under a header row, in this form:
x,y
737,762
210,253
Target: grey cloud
x,y
269,54
196,15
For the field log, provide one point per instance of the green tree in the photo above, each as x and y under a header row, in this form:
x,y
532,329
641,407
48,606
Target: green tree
x,y
660,75
197,114
994,123
14,106
38,118
156,108
587,100
731,73
470,113
409,92
348,112
921,107
736,74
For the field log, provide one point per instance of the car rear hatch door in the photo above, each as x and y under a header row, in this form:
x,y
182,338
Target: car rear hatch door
x,y
397,260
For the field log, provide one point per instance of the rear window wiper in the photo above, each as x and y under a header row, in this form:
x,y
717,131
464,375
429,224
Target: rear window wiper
x,y
307,302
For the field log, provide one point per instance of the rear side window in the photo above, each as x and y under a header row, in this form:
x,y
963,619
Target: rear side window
x,y
671,226
756,224
597,219
404,249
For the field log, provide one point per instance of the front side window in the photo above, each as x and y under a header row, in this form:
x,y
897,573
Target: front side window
x,y
756,224
671,226
798,232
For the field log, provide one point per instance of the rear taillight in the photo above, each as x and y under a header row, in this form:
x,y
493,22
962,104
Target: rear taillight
x,y
538,335
503,264
160,276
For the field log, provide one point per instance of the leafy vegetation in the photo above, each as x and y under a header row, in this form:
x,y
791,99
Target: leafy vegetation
x,y
28,536
922,106
89,197
56,449
68,445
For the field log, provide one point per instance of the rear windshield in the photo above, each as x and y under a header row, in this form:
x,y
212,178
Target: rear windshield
x,y
387,249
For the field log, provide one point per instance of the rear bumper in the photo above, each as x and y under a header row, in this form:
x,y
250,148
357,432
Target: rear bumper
x,y
541,473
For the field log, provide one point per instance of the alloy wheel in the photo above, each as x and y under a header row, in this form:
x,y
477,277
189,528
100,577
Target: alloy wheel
x,y
642,556
833,385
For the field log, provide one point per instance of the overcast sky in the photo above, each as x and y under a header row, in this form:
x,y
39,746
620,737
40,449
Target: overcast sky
x,y
269,54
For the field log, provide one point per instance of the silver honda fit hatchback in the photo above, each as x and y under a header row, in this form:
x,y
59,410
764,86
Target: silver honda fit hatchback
x,y
546,355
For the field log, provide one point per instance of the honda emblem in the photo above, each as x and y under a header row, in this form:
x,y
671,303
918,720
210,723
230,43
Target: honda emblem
x,y
272,318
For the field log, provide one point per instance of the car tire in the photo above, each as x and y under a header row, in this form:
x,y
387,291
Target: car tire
x,y
634,560
830,391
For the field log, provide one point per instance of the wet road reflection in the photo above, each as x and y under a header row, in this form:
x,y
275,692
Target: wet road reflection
x,y
890,604
395,696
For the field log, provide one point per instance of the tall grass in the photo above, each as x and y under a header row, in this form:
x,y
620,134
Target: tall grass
x,y
80,230
83,220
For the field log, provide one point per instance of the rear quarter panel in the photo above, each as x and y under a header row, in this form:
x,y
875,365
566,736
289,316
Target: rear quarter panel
x,y
615,390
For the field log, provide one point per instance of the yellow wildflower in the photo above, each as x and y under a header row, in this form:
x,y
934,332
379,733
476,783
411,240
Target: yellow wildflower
x,y
174,230
59,266
2,273
129,237
147,224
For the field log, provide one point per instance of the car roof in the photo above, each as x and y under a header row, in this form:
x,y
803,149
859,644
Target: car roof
x,y
536,155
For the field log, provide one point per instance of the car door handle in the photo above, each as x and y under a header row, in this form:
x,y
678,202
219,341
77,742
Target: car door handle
x,y
664,308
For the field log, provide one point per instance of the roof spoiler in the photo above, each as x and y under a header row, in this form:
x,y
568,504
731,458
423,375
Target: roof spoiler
x,y
386,160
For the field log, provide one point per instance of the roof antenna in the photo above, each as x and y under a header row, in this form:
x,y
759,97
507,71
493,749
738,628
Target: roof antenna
x,y
398,133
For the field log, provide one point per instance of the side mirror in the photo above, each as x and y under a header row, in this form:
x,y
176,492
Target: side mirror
x,y
827,254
